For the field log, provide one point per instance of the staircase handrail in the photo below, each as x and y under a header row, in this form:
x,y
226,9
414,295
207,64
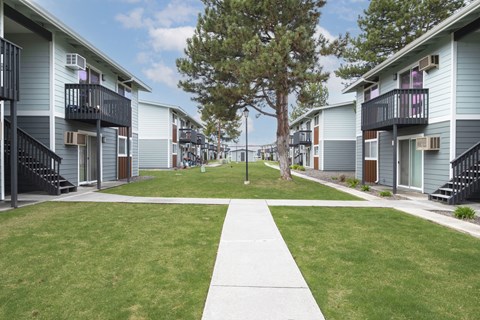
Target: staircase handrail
x,y
40,145
465,153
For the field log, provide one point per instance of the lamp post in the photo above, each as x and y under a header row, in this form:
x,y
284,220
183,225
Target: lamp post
x,y
245,113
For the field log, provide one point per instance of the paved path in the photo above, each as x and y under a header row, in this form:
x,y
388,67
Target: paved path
x,y
255,276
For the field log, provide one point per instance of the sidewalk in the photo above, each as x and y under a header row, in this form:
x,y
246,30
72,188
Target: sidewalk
x,y
255,276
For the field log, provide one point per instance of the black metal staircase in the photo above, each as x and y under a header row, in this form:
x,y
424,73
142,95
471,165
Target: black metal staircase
x,y
37,163
465,181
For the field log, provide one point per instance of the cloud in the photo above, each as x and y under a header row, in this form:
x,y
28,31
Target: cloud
x,y
251,127
133,20
175,12
321,30
170,39
160,73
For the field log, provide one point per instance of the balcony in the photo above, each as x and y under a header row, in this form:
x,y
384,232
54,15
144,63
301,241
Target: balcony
x,y
302,137
187,136
200,139
92,102
401,107
9,71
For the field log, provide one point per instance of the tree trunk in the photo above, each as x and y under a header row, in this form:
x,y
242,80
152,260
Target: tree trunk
x,y
219,140
283,135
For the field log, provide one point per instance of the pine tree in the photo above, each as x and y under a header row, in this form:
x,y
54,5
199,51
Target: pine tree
x,y
386,27
254,53
313,95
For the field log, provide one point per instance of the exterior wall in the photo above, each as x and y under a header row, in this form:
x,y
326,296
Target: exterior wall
x,y
339,155
358,158
35,71
155,122
136,155
236,156
468,70
339,123
436,80
436,166
37,127
468,134
153,153
69,154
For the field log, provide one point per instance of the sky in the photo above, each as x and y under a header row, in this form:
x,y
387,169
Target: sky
x,y
147,36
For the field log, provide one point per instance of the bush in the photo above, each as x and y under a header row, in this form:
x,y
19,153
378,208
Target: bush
x,y
353,183
464,213
385,194
334,178
342,178
297,167
365,187
301,168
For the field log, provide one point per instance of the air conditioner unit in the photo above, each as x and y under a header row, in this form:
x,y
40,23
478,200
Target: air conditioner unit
x,y
428,143
428,62
74,138
76,61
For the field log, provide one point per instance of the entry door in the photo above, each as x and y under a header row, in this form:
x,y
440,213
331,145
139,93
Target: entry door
x,y
410,164
308,154
242,156
87,164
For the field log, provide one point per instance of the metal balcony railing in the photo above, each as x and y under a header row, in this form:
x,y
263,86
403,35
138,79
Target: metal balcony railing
x,y
187,135
91,102
9,71
402,107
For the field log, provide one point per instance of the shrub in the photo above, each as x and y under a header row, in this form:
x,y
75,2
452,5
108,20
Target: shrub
x,y
464,213
342,178
334,178
385,194
365,187
353,183
301,168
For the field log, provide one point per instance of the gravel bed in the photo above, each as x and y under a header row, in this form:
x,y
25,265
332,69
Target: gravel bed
x,y
475,220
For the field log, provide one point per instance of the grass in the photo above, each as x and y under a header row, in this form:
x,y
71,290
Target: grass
x,y
227,181
107,261
365,263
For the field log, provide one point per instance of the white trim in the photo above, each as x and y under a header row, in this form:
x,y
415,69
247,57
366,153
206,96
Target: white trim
x,y
338,140
409,137
322,158
52,94
60,115
453,103
463,117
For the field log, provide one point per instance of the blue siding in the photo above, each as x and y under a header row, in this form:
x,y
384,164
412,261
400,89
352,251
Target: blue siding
x,y
468,74
154,153
468,134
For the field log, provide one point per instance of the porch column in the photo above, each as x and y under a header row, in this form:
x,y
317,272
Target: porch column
x,y
99,156
395,162
128,154
13,156
363,157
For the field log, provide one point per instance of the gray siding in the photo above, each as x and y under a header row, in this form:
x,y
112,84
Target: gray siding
x,y
69,154
339,123
468,70
109,154
436,163
37,127
468,134
135,164
35,71
339,155
153,153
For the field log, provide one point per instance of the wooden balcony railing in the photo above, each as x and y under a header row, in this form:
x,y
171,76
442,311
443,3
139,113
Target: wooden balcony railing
x,y
91,102
187,135
9,71
402,107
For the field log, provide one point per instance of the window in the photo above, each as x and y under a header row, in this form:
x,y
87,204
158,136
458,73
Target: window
x,y
122,146
315,151
411,79
371,92
308,125
371,149
88,76
174,118
315,121
124,90
411,103
174,148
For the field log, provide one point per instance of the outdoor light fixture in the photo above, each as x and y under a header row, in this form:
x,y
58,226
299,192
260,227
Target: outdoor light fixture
x,y
245,113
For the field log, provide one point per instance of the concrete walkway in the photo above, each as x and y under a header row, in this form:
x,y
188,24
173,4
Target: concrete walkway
x,y
255,276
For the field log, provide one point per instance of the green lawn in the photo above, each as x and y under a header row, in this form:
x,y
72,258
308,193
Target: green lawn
x,y
107,261
365,263
227,181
